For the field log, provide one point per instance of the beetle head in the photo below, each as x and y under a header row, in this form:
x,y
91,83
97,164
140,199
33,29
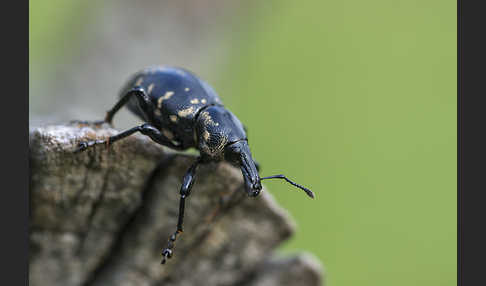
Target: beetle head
x,y
221,136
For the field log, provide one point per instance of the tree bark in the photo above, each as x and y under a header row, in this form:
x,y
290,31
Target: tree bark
x,y
103,216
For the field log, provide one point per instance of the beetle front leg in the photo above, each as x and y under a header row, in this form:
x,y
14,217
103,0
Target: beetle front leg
x,y
185,191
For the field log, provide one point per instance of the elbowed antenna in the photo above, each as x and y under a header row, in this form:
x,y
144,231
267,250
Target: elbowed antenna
x,y
306,190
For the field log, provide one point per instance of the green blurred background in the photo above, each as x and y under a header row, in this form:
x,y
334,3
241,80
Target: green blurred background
x,y
355,99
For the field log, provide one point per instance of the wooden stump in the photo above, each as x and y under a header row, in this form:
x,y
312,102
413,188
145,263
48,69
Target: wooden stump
x,y
103,216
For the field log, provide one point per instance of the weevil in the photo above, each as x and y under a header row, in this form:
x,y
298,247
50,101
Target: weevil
x,y
182,111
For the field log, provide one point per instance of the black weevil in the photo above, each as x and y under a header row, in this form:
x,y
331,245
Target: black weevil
x,y
182,111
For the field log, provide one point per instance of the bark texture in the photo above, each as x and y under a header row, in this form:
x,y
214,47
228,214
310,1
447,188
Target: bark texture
x,y
103,216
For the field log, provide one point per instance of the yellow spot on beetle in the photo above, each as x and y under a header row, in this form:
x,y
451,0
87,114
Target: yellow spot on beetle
x,y
150,87
166,96
208,120
187,89
195,101
173,118
206,135
186,112
203,101
157,112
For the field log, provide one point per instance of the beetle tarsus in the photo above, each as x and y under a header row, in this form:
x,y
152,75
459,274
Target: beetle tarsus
x,y
167,254
82,146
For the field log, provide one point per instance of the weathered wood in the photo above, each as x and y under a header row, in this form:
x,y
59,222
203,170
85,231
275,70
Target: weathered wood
x,y
102,217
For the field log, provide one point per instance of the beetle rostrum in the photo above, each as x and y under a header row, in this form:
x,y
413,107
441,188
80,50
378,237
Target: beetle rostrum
x,y
182,111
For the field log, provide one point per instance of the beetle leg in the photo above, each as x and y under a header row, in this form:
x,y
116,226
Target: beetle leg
x,y
145,129
87,144
141,96
185,191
